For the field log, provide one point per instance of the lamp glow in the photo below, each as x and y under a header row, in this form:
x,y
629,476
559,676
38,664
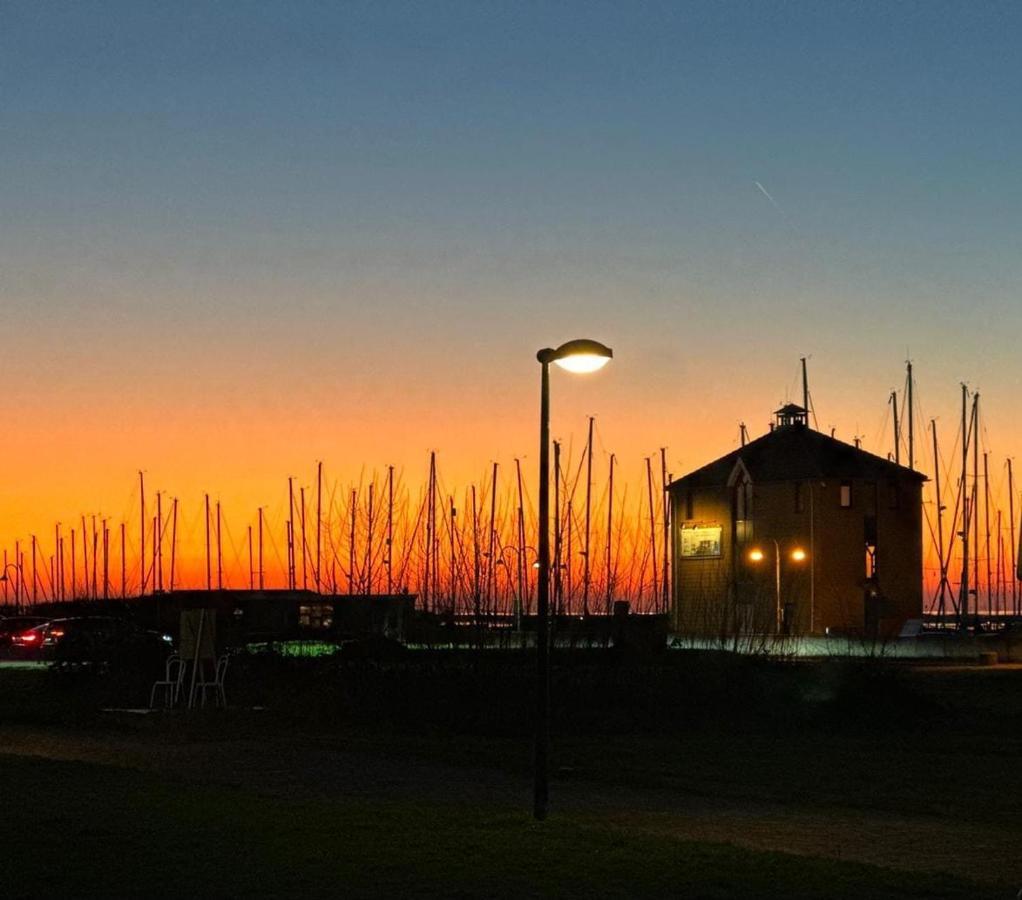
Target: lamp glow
x,y
798,554
583,363
756,555
581,356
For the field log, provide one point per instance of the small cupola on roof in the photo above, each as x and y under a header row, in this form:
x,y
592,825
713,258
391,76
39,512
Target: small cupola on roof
x,y
790,414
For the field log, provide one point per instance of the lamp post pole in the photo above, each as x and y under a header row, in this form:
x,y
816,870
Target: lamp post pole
x,y
578,356
18,584
541,791
798,555
777,582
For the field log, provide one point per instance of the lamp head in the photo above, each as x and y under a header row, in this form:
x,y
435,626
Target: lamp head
x,y
579,356
798,555
756,555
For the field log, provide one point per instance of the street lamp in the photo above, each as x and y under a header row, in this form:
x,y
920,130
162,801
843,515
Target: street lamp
x,y
578,356
19,583
797,555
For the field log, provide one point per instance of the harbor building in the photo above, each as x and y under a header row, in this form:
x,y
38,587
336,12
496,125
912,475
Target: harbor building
x,y
797,532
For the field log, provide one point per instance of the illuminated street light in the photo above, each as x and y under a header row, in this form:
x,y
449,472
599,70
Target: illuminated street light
x,y
578,356
797,555
19,583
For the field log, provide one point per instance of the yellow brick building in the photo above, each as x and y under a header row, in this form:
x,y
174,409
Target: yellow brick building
x,y
798,533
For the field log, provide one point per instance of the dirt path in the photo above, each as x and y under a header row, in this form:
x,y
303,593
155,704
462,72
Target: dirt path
x,y
328,770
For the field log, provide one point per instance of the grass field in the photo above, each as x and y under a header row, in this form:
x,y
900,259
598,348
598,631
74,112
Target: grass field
x,y
287,802
77,829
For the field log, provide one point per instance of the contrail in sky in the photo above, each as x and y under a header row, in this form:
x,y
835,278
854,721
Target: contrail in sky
x,y
766,194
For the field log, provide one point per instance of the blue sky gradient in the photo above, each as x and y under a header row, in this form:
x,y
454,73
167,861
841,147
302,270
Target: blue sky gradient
x,y
229,209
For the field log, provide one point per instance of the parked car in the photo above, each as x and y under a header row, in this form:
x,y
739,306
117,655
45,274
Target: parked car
x,y
96,641
15,625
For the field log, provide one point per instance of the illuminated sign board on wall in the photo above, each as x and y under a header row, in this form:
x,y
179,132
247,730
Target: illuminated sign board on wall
x,y
701,541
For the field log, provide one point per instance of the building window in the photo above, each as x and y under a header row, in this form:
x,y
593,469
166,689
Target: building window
x,y
846,495
799,500
317,616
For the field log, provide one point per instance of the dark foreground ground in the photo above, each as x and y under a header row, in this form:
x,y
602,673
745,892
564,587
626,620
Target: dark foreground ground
x,y
370,779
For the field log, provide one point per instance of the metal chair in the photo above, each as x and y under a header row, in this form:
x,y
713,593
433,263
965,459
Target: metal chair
x,y
216,684
171,684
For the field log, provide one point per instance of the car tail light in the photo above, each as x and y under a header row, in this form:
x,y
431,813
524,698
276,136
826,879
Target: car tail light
x,y
27,637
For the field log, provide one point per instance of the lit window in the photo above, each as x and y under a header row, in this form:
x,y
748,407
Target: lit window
x,y
846,495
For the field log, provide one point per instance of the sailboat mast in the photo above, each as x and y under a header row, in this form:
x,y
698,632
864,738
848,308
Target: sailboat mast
x,y
85,562
174,541
124,567
557,583
586,572
652,529
520,599
666,553
209,556
986,528
141,533
156,587
999,590
568,556
428,537
476,569
963,597
291,533
805,389
106,561
491,599
305,563
390,529
430,527
454,560
351,543
173,545
35,581
369,541
940,525
897,428
975,502
1014,550
910,393
262,581
219,552
609,603
158,539
319,525
95,559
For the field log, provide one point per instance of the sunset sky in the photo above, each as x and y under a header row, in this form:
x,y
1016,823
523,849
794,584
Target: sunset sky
x,y
239,238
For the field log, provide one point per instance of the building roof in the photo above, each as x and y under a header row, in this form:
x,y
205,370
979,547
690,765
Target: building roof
x,y
796,453
791,409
